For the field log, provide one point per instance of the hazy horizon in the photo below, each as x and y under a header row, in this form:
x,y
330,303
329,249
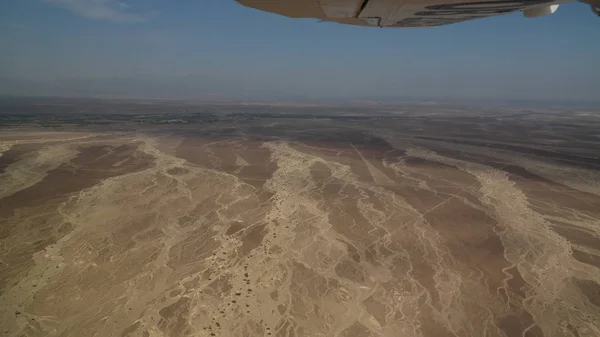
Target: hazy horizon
x,y
222,50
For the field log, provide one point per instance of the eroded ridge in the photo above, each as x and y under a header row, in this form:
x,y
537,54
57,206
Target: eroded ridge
x,y
245,231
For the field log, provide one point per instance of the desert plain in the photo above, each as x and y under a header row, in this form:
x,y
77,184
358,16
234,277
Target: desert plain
x,y
243,220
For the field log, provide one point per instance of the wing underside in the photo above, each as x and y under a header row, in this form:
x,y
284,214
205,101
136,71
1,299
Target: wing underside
x,y
401,13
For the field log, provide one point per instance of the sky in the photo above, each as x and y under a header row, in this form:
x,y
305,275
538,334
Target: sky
x,y
201,49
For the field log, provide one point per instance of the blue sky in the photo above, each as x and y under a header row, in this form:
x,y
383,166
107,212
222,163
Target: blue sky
x,y
218,48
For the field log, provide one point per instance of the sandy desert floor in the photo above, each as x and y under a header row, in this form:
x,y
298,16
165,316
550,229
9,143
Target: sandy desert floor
x,y
291,228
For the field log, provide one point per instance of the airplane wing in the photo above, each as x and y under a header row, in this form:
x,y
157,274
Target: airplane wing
x,y
402,13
